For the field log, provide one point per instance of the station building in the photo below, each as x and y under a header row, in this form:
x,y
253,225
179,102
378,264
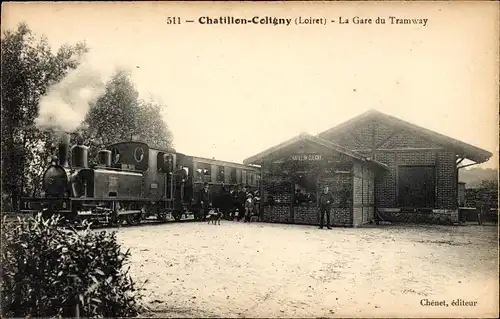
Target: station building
x,y
378,167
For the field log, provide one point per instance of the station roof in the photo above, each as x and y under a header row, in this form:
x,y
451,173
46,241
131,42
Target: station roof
x,y
465,150
258,159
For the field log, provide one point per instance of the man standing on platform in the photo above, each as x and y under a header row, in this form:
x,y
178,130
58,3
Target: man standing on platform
x,y
205,201
325,202
242,197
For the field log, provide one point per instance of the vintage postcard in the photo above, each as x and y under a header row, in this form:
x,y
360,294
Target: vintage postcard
x,y
250,159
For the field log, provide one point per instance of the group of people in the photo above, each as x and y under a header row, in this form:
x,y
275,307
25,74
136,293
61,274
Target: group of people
x,y
304,197
243,203
240,203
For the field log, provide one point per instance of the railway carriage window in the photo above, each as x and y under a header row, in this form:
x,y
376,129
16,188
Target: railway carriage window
x,y
207,174
238,176
244,180
204,172
199,174
232,176
139,154
220,174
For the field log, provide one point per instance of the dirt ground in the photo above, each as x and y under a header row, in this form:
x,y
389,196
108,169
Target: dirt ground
x,y
272,270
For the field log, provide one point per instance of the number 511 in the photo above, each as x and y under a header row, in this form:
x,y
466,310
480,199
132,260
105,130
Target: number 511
x,y
173,20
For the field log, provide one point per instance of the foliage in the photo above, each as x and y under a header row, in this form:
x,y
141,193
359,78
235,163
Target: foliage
x,y
119,115
489,185
28,68
150,126
48,270
473,177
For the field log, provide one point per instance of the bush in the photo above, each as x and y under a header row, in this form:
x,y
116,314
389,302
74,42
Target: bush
x,y
50,271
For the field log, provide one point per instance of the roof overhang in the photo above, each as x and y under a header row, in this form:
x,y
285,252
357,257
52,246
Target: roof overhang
x,y
258,159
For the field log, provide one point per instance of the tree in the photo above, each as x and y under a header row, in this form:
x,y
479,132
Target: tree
x,y
489,184
28,68
111,118
150,126
119,115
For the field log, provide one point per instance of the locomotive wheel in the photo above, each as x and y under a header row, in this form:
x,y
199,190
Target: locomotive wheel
x,y
177,216
197,216
119,222
133,219
162,216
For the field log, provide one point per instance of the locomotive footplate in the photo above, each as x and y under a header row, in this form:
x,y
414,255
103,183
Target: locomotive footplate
x,y
34,205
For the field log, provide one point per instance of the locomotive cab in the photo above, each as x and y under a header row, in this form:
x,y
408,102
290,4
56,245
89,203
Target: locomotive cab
x,y
165,162
132,156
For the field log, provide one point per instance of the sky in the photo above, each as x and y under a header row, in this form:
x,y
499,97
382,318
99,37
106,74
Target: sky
x,y
234,90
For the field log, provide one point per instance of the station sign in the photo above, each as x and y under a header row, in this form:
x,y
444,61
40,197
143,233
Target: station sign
x,y
306,157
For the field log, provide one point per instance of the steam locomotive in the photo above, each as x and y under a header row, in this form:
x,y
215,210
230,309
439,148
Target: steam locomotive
x,y
131,182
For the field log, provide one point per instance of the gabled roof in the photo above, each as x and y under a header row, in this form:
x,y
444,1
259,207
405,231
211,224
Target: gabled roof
x,y
466,150
257,159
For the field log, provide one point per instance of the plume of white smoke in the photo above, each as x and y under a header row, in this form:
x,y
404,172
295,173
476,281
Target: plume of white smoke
x,y
65,105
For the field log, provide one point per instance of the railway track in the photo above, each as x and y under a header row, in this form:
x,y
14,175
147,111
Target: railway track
x,y
14,218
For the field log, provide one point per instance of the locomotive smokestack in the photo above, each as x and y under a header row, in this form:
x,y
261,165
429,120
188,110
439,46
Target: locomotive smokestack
x,y
64,149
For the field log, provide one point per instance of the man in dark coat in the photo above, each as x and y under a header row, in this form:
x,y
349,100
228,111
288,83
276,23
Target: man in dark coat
x,y
205,201
325,202
224,201
242,197
234,201
180,177
180,174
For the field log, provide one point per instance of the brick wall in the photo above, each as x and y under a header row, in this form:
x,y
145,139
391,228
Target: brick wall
x,y
447,181
341,216
306,214
407,139
309,215
363,195
277,214
360,137
445,170
357,216
357,190
385,182
436,216
340,213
